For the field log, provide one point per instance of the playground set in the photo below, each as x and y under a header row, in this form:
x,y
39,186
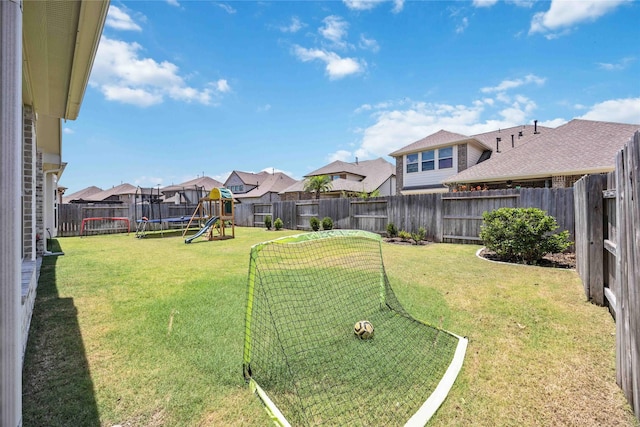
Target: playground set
x,y
216,210
213,212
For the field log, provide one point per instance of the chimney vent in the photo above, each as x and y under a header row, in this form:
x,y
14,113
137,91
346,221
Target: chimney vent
x,y
535,127
498,139
519,134
512,142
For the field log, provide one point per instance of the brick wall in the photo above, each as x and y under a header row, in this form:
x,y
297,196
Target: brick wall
x,y
399,174
28,183
39,175
462,157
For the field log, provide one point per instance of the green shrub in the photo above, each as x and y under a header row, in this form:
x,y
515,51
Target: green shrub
x,y
522,234
392,230
277,224
267,222
420,235
404,235
314,223
327,223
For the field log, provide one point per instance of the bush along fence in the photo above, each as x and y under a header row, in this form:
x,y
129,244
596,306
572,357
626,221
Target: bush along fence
x,y
607,254
446,217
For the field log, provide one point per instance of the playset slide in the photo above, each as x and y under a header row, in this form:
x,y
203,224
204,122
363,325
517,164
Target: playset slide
x,y
207,225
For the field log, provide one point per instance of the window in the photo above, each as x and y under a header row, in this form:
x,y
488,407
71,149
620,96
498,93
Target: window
x,y
428,160
445,158
236,188
412,163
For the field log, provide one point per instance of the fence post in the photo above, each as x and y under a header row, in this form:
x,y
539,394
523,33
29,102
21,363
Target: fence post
x,y
595,229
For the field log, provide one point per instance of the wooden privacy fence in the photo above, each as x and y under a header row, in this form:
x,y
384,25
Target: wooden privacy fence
x,y
608,256
70,215
446,217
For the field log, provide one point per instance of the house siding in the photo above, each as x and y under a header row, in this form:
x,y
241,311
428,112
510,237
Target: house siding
x,y
234,181
473,155
429,178
388,187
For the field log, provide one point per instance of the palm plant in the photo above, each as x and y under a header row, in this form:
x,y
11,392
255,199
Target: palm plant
x,y
317,184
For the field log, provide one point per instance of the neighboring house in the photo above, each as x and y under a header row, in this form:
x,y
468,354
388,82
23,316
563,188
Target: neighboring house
x,y
557,158
243,182
268,190
350,179
81,194
123,193
46,56
191,191
423,166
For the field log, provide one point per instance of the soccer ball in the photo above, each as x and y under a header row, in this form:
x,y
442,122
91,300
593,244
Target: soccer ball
x,y
363,329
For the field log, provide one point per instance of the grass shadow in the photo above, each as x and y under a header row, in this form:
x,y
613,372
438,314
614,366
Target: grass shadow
x,y
57,385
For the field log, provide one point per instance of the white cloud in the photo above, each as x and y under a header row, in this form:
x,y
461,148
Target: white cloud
x,y
398,5
341,155
295,26
462,25
512,84
484,3
626,110
621,65
554,123
368,44
222,86
399,123
68,131
118,19
334,30
335,66
362,4
173,3
563,14
273,170
230,10
148,181
122,75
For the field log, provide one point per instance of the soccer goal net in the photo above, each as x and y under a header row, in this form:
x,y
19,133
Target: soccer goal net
x,y
301,356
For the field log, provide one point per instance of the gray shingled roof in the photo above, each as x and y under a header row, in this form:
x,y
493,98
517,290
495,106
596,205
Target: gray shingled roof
x,y
575,148
251,178
374,173
274,183
82,194
438,139
117,190
203,181
489,138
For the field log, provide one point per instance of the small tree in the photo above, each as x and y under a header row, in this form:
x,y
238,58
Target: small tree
x,y
314,223
420,235
327,223
277,224
522,234
267,222
392,230
317,184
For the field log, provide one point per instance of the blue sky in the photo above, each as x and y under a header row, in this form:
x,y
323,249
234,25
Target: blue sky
x,y
185,88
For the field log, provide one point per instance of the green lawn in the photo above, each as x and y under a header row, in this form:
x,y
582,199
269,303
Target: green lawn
x,y
149,332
